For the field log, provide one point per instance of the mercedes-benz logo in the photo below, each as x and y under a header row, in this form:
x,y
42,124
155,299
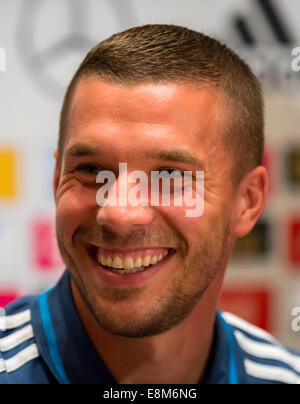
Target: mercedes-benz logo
x,y
50,66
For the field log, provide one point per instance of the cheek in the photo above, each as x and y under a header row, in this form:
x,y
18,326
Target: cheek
x,y
186,229
197,234
74,208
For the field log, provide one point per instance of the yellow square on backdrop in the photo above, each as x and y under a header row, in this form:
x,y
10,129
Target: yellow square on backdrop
x,y
8,170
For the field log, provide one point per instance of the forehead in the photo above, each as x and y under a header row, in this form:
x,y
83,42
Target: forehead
x,y
181,113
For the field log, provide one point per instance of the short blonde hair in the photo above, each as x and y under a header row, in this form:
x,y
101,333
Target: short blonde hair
x,y
169,53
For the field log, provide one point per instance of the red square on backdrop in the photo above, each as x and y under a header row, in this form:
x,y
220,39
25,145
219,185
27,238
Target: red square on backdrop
x,y
45,252
7,297
294,242
251,304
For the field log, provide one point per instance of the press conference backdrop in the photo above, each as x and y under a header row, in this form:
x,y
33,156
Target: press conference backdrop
x,y
41,44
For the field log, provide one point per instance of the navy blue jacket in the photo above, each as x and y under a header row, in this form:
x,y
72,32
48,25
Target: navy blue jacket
x,y
42,341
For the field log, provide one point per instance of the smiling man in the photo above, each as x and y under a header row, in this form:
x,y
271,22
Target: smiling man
x,y
138,300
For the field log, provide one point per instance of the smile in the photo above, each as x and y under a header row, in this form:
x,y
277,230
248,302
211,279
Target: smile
x,y
130,263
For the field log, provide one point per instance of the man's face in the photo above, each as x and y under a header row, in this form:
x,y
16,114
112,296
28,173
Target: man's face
x,y
111,124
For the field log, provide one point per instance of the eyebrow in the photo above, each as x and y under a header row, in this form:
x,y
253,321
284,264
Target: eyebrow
x,y
82,149
174,155
178,156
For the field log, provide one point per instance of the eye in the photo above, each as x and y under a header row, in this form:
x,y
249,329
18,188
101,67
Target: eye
x,y
175,172
88,169
170,174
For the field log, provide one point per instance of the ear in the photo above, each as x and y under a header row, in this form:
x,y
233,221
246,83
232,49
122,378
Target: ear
x,y
56,175
250,201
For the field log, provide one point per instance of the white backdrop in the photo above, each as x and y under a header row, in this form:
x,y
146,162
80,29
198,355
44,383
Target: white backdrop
x,y
45,40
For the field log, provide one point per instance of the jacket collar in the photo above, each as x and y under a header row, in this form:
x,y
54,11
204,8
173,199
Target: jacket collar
x,y
72,358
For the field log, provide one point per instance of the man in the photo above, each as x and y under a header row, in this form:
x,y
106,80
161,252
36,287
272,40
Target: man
x,y
138,302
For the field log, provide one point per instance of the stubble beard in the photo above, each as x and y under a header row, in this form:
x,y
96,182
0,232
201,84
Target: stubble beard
x,y
168,310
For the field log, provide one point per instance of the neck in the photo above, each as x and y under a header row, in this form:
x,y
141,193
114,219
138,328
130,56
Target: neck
x,y
176,356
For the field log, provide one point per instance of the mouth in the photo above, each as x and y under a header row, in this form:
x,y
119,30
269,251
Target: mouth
x,y
134,266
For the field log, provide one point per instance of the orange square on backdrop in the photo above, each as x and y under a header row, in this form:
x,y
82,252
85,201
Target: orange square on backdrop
x,y
8,162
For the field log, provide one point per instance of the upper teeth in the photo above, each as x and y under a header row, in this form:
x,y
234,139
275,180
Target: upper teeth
x,y
130,263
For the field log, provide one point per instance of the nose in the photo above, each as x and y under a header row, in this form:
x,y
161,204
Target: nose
x,y
119,217
122,218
